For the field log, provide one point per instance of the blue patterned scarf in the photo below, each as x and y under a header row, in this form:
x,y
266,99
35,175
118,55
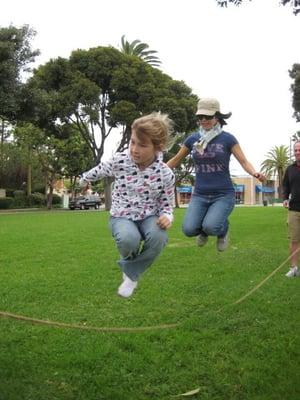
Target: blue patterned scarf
x,y
206,137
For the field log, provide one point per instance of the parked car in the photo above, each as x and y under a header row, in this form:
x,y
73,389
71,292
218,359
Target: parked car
x,y
85,202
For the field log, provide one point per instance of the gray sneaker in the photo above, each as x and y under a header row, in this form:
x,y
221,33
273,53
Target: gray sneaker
x,y
202,240
222,243
127,287
293,272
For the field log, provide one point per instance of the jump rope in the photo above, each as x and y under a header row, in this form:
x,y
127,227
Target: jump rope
x,y
24,318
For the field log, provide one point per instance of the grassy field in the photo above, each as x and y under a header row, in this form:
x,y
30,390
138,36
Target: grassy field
x,y
61,266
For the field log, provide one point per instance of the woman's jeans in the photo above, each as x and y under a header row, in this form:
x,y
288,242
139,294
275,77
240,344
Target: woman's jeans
x,y
208,215
139,243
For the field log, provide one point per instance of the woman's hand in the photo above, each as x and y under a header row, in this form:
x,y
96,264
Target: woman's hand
x,y
258,175
248,167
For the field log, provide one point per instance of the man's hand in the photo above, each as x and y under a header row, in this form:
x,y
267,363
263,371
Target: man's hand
x,y
163,222
285,204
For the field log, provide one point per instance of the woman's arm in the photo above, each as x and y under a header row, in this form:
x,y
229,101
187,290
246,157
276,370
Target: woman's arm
x,y
247,166
182,153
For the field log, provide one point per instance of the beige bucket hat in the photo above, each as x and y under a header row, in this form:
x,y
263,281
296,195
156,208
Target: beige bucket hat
x,y
211,106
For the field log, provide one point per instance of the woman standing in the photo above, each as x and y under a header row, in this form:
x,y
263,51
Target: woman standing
x,y
214,197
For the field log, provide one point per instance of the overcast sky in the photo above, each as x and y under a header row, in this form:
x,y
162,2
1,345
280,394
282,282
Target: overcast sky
x,y
240,55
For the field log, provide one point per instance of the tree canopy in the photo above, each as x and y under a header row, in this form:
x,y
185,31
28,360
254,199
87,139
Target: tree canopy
x,y
295,4
101,91
15,56
295,89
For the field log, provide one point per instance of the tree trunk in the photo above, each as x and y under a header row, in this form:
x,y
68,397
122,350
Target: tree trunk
x,y
29,174
50,194
107,193
280,179
2,153
50,197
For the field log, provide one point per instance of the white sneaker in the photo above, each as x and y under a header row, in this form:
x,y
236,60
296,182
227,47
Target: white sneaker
x,y
127,287
222,243
202,240
293,272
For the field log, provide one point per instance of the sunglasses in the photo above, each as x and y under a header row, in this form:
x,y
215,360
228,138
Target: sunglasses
x,y
207,117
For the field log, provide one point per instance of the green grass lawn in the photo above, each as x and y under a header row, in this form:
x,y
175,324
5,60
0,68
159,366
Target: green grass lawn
x,y
61,266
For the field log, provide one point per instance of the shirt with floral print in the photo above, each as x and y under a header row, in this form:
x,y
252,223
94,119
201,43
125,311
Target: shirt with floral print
x,y
137,194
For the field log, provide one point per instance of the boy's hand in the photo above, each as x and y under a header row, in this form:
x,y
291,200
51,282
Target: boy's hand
x,y
163,222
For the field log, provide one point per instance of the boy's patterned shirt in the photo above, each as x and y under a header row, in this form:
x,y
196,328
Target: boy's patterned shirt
x,y
136,193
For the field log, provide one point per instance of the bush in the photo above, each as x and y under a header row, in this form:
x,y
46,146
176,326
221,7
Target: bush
x,y
37,199
6,202
20,199
19,193
9,192
39,189
56,200
20,202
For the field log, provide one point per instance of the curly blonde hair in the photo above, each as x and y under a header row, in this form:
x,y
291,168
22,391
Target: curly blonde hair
x,y
157,126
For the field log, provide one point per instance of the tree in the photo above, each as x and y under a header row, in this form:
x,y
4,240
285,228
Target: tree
x,y
15,166
295,4
15,56
101,91
3,136
296,136
139,49
295,89
28,137
275,164
57,157
77,157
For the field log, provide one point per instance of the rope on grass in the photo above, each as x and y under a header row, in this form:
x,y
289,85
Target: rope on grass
x,y
134,329
242,298
266,279
86,327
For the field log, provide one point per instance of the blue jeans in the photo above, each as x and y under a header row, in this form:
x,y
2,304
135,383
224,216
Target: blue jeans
x,y
138,242
208,215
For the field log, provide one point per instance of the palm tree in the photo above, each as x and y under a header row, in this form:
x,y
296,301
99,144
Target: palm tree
x,y
276,163
139,49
